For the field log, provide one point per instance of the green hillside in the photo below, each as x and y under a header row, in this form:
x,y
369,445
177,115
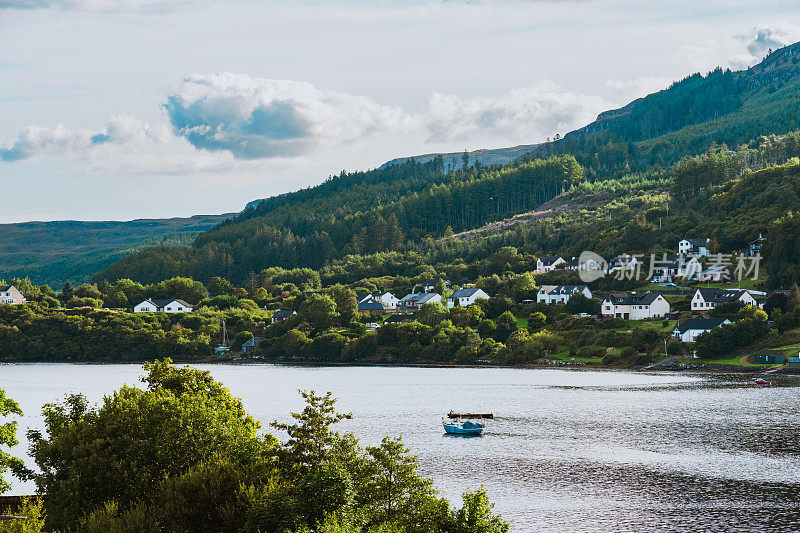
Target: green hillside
x,y
54,252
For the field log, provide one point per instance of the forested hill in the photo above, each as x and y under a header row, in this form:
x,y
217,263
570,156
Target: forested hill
x,y
697,99
361,213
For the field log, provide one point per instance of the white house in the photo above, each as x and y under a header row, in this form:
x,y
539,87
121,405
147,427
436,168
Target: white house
x,y
705,299
11,295
385,298
694,247
690,329
152,305
465,297
560,294
549,262
635,306
417,299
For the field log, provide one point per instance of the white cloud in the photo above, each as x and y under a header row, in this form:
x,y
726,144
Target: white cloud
x,y
525,114
227,121
35,142
758,41
97,5
261,118
125,144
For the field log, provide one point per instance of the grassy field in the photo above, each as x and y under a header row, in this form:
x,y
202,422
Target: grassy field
x,y
739,361
54,252
746,283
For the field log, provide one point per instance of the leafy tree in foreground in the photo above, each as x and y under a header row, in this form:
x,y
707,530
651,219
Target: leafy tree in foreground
x,y
8,437
121,450
32,509
398,495
476,515
310,437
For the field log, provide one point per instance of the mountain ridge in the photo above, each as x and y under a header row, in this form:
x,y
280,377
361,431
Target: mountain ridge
x,y
772,69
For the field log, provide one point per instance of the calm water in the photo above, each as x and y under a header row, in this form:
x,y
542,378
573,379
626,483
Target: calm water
x,y
569,451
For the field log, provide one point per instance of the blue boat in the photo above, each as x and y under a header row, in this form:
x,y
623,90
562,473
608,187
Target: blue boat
x,y
465,423
463,427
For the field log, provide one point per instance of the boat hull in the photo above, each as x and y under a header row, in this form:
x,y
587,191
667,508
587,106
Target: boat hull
x,y
455,429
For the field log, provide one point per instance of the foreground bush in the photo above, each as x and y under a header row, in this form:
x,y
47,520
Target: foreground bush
x,y
183,455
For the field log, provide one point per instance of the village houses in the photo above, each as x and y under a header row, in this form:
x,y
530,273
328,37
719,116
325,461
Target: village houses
x,y
385,298
10,295
560,294
153,305
282,314
708,298
626,263
635,306
572,264
429,285
375,308
251,344
694,327
694,247
548,263
465,297
416,300
714,273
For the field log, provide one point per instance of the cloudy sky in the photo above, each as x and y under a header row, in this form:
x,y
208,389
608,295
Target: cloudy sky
x,y
122,109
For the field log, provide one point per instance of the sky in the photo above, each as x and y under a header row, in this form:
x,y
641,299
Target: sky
x,y
124,109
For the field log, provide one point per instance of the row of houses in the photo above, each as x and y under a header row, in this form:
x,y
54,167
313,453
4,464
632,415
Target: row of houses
x,y
647,304
671,267
633,306
11,295
382,302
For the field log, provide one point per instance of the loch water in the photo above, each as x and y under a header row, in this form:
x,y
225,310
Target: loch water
x,y
569,450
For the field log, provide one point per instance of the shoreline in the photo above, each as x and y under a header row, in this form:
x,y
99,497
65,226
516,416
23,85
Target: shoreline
x,y
704,369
